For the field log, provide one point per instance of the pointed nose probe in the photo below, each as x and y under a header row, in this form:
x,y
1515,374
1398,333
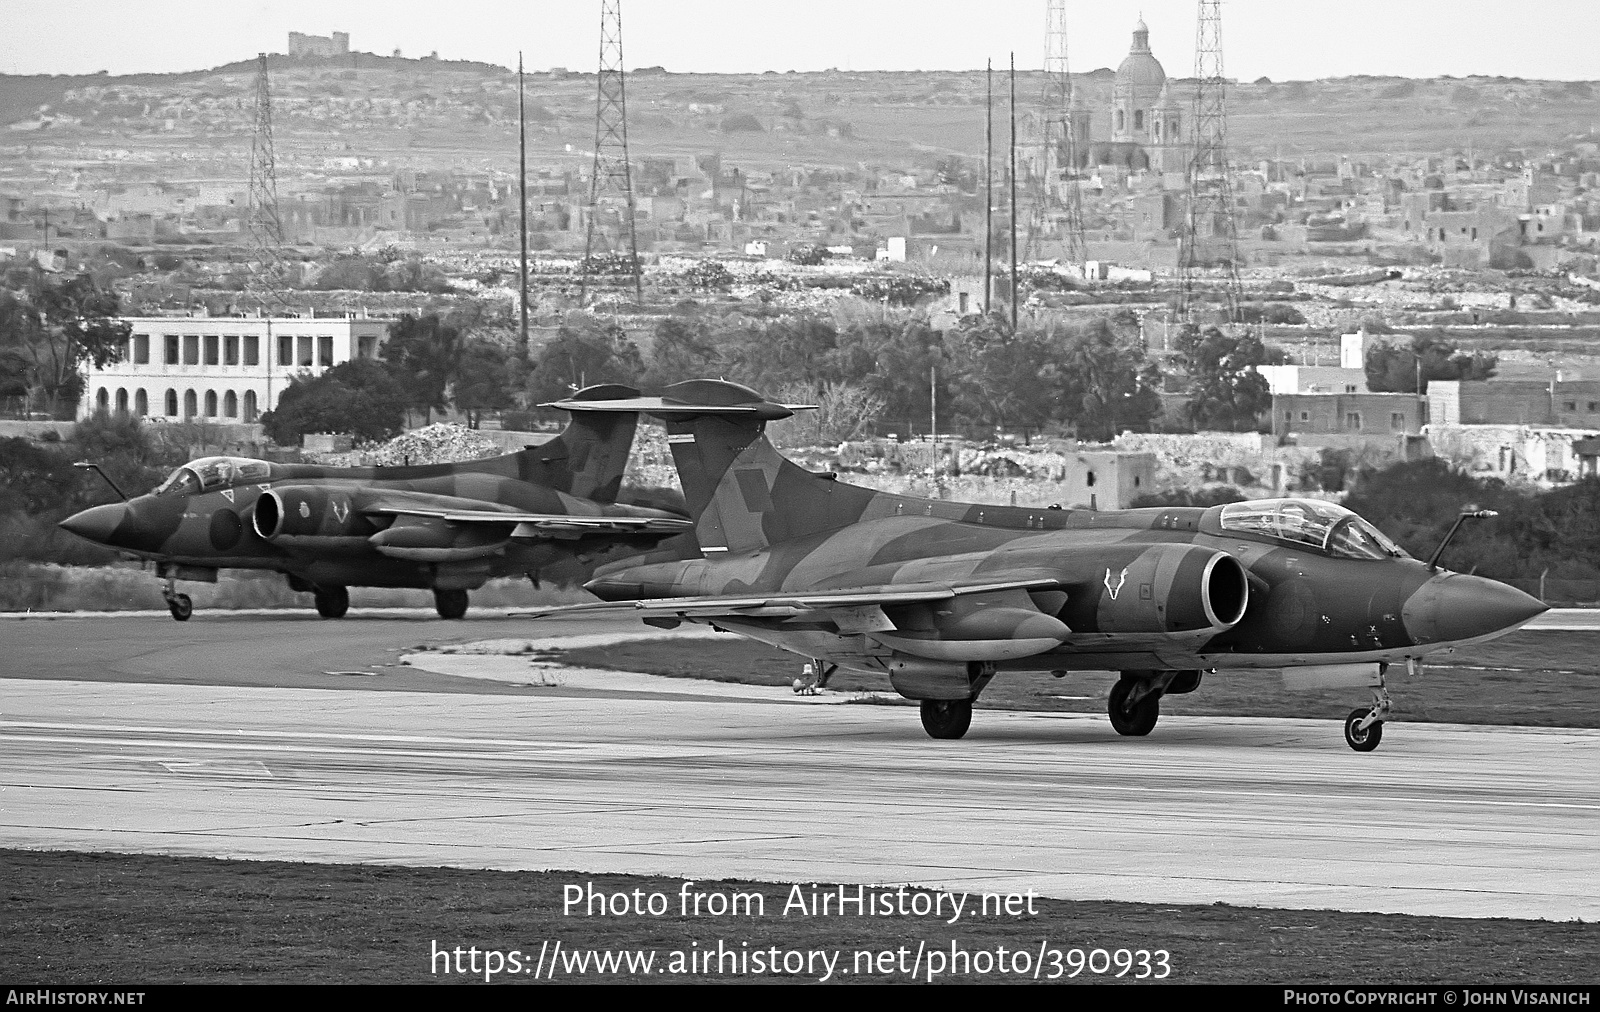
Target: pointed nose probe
x,y
1454,606
97,523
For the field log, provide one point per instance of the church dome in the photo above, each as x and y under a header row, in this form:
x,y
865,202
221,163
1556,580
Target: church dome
x,y
1141,72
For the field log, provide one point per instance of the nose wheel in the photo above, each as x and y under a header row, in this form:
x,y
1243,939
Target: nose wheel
x,y
1363,729
179,604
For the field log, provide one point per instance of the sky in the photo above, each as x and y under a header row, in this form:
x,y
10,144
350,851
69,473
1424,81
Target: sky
x,y
1278,39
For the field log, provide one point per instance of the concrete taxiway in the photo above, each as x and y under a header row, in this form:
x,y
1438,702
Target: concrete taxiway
x,y
135,746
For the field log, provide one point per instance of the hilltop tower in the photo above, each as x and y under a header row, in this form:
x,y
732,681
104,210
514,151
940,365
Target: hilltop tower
x,y
263,225
1057,199
610,210
1210,233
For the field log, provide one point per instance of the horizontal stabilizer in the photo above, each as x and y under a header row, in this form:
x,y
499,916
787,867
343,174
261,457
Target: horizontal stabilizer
x,y
689,399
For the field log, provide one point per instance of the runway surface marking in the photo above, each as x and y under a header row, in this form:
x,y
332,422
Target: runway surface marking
x,y
1443,819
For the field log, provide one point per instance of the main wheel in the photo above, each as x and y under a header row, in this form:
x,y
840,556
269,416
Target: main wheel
x,y
1362,741
332,602
1137,720
946,718
450,603
180,606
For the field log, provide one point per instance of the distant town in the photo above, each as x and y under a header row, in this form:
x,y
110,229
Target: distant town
x,y
1396,304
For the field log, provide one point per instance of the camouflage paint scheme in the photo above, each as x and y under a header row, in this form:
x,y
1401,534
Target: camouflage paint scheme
x,y
943,595
449,527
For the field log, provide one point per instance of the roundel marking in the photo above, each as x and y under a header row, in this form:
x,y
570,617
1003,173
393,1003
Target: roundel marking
x,y
226,528
1292,612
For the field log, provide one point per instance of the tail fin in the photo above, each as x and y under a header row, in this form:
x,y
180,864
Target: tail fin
x,y
588,457
742,493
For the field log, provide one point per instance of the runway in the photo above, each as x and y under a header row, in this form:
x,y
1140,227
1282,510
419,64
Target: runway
x,y
154,756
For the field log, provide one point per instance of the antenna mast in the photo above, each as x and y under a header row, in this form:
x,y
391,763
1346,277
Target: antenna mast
x,y
1210,236
611,207
263,225
522,201
1058,162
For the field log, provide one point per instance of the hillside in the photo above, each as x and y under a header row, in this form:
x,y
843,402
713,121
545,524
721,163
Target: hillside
x,y
434,113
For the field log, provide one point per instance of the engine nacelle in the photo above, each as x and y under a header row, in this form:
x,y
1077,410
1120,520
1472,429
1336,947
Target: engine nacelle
x,y
1169,588
309,511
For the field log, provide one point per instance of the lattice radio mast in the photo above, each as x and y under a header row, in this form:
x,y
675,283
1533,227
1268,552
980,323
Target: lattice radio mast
x,y
263,225
1210,235
611,207
1060,155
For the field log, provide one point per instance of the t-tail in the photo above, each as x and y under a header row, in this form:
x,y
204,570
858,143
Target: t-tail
x,y
742,493
588,457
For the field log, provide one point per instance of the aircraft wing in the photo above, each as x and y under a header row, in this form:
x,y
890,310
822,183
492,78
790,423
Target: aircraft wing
x,y
780,604
536,525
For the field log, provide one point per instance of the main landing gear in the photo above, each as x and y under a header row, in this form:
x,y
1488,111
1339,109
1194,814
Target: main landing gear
x,y
946,718
450,603
1363,729
332,602
1135,701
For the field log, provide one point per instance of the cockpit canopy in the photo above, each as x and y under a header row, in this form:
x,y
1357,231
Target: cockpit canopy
x,y
210,473
1323,526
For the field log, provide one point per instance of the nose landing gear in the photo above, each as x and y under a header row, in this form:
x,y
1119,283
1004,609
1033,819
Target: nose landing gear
x,y
1363,729
179,604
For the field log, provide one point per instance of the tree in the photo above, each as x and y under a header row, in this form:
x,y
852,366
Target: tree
x,y
1106,386
1225,390
1001,379
61,327
585,351
359,397
1395,369
680,349
486,378
422,352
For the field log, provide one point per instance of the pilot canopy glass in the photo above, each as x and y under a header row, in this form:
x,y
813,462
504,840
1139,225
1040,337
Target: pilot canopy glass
x,y
1330,529
210,473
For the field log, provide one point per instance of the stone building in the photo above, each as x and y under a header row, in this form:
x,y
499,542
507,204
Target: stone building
x,y
223,368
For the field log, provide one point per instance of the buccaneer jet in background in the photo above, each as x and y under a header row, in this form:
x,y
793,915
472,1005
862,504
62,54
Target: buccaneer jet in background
x,y
943,596
448,527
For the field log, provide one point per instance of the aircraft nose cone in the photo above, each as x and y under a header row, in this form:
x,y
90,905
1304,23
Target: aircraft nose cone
x,y
97,523
1452,606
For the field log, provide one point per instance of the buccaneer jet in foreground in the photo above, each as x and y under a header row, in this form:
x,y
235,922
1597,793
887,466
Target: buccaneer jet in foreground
x,y
448,527
943,596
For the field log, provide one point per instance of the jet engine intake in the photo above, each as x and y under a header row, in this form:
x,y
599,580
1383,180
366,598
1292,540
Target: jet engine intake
x,y
1168,588
308,511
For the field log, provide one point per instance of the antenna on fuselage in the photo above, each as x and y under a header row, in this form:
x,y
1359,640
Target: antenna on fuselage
x,y
84,465
1470,513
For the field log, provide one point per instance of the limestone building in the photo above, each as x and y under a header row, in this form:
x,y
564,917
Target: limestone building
x,y
1146,117
223,368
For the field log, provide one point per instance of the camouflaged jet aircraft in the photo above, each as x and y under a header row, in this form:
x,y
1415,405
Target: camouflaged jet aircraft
x,y
448,527
943,596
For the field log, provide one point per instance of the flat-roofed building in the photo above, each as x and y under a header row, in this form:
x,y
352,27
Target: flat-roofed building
x,y
223,368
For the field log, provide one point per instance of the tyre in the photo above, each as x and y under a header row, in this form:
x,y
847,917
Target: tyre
x,y
1362,741
946,718
450,603
332,602
181,607
1138,720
